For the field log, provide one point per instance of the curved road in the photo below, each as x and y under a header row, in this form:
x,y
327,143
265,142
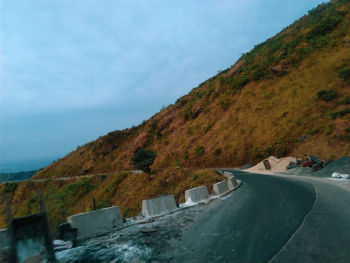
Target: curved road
x,y
267,219
270,219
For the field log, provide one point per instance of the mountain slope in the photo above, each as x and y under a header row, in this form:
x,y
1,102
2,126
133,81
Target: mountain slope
x,y
288,96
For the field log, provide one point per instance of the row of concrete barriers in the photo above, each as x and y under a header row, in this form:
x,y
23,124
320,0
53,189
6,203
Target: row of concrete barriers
x,y
103,220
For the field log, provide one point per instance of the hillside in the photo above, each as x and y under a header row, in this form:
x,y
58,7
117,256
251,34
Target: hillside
x,y
288,96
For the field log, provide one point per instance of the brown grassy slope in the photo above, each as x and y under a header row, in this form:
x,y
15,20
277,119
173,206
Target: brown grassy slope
x,y
126,190
249,111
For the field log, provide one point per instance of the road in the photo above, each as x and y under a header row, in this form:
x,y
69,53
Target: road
x,y
66,178
252,225
268,219
272,219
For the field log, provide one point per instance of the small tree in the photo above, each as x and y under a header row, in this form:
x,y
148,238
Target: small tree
x,y
143,159
327,95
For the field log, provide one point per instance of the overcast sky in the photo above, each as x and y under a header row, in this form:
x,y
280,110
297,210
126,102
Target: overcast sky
x,y
72,71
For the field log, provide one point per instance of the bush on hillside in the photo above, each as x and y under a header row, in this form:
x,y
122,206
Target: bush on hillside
x,y
143,159
344,73
346,100
327,95
198,151
326,25
340,113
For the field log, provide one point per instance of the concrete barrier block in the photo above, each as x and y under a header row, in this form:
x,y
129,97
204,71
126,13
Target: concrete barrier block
x,y
220,188
30,239
228,174
232,182
4,240
158,206
197,194
97,221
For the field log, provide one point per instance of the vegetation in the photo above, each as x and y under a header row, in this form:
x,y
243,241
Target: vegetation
x,y
340,113
344,73
327,95
143,159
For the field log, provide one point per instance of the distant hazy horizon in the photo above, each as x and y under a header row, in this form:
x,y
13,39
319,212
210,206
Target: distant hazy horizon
x,y
25,165
72,71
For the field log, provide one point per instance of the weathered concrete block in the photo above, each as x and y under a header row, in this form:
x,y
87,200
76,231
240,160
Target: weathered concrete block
x,y
197,194
220,188
4,240
228,174
97,221
158,205
232,182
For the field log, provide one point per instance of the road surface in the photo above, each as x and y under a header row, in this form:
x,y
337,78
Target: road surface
x,y
268,219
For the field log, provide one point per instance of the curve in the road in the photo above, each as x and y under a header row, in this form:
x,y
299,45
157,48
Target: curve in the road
x,y
324,235
252,225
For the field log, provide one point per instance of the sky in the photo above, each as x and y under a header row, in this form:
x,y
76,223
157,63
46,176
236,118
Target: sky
x,y
71,71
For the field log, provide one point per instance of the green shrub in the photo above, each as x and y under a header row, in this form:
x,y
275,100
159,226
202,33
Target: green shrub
x,y
327,95
143,159
177,163
319,42
198,151
103,203
344,73
314,131
329,129
260,73
346,100
186,155
224,102
10,187
340,113
239,81
79,188
326,25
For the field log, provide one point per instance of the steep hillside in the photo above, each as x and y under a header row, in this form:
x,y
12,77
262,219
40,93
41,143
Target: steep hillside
x,y
288,96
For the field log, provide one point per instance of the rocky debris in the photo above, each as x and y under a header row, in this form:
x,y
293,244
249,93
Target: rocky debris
x,y
340,176
312,162
272,164
280,70
341,165
275,165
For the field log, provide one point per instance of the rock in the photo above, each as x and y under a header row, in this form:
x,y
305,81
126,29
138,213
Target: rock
x,y
280,70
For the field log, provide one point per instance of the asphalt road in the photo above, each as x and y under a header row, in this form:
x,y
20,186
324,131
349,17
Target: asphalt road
x,y
325,234
267,219
252,225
